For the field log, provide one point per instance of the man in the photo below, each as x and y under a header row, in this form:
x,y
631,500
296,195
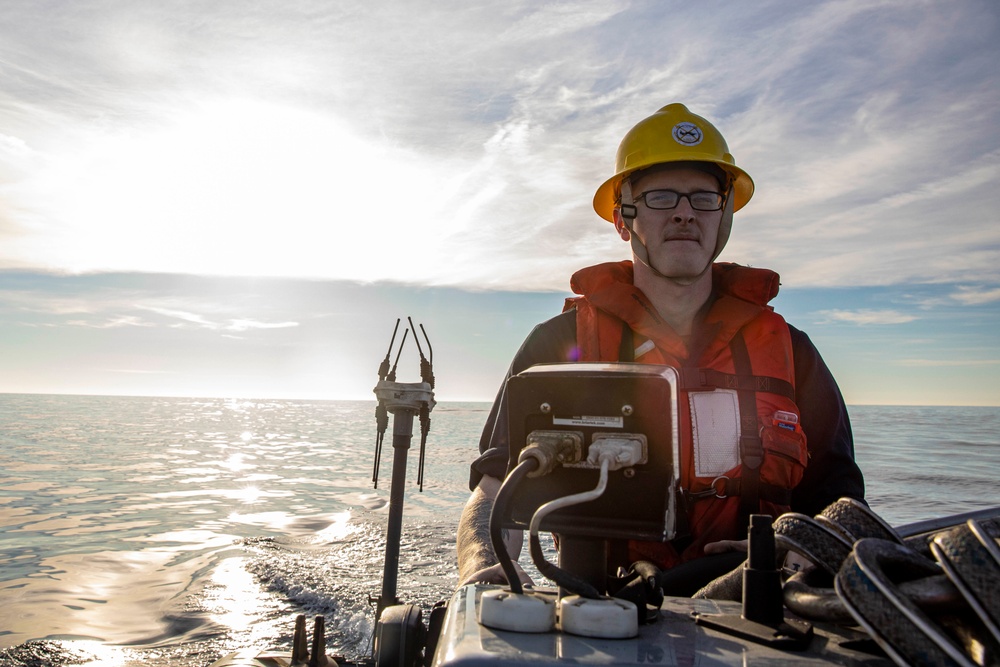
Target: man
x,y
784,442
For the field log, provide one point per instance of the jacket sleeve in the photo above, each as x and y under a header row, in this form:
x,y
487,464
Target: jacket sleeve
x,y
550,342
832,472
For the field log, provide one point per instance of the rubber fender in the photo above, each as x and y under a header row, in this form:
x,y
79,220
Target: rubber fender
x,y
854,520
810,594
817,541
869,585
970,555
400,637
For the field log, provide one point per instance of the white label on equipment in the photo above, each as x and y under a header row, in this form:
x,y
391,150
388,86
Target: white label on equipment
x,y
587,420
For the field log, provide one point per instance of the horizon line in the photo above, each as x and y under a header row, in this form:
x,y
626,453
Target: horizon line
x,y
437,400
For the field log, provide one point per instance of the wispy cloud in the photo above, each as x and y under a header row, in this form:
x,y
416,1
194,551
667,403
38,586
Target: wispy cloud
x,y
114,307
112,323
52,304
976,296
446,144
234,336
136,371
934,363
866,317
189,318
202,322
245,325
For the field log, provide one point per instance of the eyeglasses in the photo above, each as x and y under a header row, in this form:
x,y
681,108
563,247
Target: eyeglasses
x,y
662,200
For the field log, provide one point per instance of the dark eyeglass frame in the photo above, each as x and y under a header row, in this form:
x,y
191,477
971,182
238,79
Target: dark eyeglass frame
x,y
720,199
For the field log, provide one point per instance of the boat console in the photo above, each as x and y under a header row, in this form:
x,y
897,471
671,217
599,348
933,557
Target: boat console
x,y
594,460
597,407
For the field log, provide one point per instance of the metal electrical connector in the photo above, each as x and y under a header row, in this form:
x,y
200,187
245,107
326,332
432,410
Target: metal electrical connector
x,y
552,449
621,452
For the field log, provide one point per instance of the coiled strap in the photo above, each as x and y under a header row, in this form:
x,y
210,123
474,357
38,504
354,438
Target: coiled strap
x,y
970,556
869,585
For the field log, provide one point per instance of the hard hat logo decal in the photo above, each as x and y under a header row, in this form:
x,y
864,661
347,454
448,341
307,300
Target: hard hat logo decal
x,y
687,134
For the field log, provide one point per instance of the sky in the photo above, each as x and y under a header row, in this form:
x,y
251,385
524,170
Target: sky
x,y
239,198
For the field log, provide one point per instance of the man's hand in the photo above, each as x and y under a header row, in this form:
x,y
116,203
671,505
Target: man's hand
x,y
495,575
722,546
793,561
476,560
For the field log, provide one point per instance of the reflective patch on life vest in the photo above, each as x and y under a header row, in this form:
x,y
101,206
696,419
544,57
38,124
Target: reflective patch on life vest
x,y
715,426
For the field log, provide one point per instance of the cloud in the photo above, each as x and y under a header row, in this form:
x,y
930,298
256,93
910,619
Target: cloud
x,y
190,318
867,317
76,302
245,325
137,371
976,296
445,144
202,322
935,363
36,302
112,323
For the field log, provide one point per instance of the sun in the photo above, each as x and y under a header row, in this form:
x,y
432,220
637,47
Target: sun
x,y
237,187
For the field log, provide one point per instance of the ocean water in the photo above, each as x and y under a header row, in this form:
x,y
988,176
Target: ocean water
x,y
152,531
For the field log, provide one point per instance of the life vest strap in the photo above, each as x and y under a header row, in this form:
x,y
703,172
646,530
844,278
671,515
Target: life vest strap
x,y
751,447
706,379
626,348
724,487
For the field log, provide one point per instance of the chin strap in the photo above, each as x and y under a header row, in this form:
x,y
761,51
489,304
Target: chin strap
x,y
629,212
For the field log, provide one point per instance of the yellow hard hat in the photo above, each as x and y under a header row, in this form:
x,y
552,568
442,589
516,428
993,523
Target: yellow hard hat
x,y
672,134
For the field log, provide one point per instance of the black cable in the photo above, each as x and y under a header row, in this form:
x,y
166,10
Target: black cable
x,y
425,427
391,377
427,365
497,518
561,577
381,424
383,369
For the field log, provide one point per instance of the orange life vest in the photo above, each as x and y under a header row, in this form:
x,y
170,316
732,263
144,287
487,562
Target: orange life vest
x,y
743,449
